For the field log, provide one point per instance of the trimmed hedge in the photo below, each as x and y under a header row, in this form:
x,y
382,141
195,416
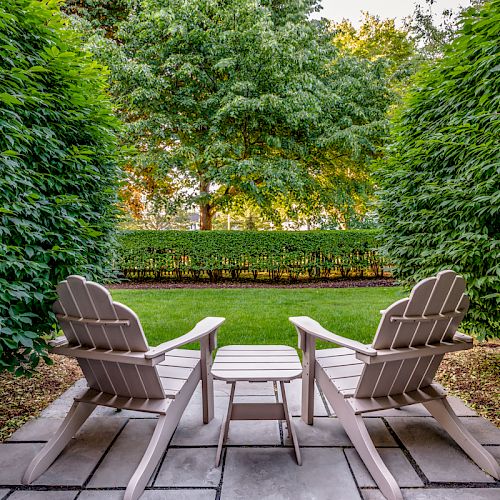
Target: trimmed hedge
x,y
218,254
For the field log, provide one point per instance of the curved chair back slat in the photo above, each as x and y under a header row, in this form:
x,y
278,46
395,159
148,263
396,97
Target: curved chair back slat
x,y
90,319
430,316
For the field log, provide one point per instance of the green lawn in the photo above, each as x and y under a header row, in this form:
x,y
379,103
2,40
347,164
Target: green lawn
x,y
259,315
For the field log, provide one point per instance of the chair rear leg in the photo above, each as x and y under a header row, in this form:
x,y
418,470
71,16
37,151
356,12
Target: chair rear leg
x,y
358,434
159,441
441,410
75,418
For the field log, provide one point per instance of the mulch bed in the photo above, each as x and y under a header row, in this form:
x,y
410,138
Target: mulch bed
x,y
474,376
24,398
350,283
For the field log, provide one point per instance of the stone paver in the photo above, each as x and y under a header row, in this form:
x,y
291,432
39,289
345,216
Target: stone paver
x,y
80,457
256,464
43,495
38,429
328,431
395,461
294,398
201,494
272,473
440,494
14,458
188,467
435,452
132,442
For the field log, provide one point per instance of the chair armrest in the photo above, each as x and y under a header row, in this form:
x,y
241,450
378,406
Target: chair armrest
x,y
58,342
461,337
202,328
311,327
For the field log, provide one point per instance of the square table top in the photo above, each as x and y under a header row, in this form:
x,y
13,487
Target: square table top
x,y
256,363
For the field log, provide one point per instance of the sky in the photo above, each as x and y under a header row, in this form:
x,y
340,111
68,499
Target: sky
x,y
351,9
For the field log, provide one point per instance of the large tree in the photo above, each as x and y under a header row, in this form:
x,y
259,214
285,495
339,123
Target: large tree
x,y
440,199
241,100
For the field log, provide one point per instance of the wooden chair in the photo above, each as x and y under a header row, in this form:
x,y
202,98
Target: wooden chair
x,y
396,370
123,372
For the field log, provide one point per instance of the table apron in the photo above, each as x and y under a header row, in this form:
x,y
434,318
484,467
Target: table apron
x,y
258,411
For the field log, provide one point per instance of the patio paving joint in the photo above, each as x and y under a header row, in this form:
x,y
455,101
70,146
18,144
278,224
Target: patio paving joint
x,y
406,453
325,402
101,459
352,473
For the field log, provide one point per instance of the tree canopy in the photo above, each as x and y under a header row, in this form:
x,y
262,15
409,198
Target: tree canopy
x,y
240,101
440,197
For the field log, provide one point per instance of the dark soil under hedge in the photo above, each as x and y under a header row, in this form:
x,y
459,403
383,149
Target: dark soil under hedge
x,y
350,283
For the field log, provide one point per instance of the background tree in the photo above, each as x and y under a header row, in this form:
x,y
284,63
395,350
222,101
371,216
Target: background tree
x,y
440,198
58,173
239,97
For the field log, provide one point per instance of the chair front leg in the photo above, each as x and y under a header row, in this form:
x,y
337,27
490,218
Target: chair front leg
x,y
308,345
207,344
75,418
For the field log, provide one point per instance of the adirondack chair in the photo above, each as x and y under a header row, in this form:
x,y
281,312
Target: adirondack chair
x,y
396,370
123,372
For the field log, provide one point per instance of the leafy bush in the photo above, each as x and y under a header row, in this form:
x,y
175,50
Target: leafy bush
x,y
157,254
440,203
57,173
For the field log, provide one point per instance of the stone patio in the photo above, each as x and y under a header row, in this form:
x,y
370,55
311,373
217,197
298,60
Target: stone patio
x,y
258,463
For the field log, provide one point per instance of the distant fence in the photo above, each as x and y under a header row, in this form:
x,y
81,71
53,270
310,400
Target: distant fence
x,y
248,254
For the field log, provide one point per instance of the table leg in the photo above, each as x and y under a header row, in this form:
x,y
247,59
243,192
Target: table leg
x,y
289,423
224,430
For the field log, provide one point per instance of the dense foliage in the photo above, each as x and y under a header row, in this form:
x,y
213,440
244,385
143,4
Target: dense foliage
x,y
315,254
242,100
441,183
57,172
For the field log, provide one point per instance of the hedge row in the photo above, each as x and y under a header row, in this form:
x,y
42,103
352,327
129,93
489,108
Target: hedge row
x,y
233,254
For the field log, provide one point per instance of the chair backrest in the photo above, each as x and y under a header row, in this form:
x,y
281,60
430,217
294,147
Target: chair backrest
x,y
90,319
429,316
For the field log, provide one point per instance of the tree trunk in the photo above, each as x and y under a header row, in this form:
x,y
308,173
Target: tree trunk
x,y
206,209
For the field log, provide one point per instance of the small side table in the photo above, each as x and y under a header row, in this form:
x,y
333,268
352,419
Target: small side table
x,y
257,363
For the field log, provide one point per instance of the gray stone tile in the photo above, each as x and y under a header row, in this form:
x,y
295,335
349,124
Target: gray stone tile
x,y
294,397
38,429
253,388
179,495
189,467
439,494
272,473
253,433
483,430
82,454
14,458
435,452
328,431
191,430
43,495
222,388
495,451
395,461
151,495
132,442
3,493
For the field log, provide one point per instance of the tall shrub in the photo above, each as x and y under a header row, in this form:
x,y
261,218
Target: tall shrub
x,y
58,173
440,199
